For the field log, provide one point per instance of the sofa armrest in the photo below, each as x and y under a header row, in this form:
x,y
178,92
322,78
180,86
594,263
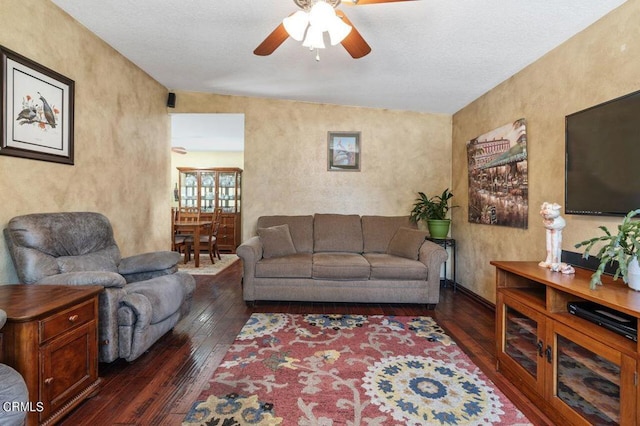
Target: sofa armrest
x,y
433,256
141,308
102,278
149,265
250,252
148,262
432,252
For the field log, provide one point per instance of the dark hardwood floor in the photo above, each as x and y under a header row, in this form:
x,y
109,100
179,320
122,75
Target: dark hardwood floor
x,y
159,387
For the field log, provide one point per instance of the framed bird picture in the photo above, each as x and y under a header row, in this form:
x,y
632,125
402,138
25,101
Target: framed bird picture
x,y
36,110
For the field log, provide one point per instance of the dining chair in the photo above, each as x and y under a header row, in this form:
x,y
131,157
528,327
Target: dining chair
x,y
188,215
213,243
180,242
209,241
217,214
189,210
192,215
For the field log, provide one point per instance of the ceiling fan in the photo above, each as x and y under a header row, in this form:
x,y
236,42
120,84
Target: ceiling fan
x,y
305,25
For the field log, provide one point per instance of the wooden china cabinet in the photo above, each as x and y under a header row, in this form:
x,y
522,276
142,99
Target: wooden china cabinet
x,y
576,370
209,188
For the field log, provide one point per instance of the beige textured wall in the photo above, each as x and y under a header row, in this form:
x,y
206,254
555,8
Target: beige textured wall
x,y
122,134
285,158
599,64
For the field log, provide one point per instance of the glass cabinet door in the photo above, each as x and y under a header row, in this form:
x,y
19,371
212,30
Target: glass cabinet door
x,y
227,192
522,348
188,189
238,191
207,192
521,340
588,378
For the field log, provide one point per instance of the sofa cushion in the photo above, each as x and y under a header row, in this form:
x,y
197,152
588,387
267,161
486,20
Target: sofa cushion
x,y
165,295
292,266
340,266
406,243
148,262
300,228
337,233
377,231
389,267
36,240
276,241
103,260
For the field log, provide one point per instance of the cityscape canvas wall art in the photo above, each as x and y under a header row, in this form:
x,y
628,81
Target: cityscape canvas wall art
x,y
498,179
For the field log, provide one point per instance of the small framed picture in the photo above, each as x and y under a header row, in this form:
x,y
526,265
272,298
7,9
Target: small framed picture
x,y
343,153
36,110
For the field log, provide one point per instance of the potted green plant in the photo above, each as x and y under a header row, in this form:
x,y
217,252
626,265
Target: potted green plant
x,y
622,248
433,211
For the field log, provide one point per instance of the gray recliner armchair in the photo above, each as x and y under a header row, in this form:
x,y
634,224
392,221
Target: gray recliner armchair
x,y
14,394
144,295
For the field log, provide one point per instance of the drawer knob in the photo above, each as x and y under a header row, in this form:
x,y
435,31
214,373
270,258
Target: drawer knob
x,y
73,318
48,380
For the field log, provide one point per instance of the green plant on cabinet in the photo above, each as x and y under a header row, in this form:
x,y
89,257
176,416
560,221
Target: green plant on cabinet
x,y
622,248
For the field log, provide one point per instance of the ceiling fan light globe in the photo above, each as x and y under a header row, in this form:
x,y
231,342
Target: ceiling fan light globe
x,y
296,24
314,38
321,15
338,31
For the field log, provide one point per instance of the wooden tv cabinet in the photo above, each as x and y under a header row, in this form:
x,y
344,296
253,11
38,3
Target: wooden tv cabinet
x,y
51,338
575,370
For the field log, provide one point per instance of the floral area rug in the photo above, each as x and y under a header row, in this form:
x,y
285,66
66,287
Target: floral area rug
x,y
206,267
286,369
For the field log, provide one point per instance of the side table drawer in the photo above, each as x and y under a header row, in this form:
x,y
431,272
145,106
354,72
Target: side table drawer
x,y
67,320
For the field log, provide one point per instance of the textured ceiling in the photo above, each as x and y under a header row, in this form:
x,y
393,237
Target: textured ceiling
x,y
427,55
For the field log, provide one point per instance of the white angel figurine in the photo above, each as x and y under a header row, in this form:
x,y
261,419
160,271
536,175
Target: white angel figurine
x,y
554,223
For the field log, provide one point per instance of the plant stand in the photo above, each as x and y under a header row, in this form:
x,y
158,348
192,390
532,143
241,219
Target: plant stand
x,y
444,243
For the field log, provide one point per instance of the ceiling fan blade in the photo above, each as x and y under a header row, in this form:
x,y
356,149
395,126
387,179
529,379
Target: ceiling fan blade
x,y
178,150
360,2
354,43
272,42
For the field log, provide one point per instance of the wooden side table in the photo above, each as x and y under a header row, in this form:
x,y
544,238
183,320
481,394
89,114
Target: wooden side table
x,y
448,242
51,338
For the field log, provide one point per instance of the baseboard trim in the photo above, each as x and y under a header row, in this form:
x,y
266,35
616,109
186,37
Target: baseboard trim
x,y
475,297
569,257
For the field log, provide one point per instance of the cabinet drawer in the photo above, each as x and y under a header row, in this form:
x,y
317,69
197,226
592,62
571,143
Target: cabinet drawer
x,y
67,320
226,231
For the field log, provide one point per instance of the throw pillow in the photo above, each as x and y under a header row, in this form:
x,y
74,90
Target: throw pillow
x,y
276,241
406,243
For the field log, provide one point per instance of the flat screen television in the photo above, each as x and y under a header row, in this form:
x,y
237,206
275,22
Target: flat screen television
x,y
602,158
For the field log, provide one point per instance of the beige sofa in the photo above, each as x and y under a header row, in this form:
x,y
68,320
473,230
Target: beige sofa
x,y
341,258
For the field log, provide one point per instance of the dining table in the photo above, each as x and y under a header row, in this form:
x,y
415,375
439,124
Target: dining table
x,y
193,227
